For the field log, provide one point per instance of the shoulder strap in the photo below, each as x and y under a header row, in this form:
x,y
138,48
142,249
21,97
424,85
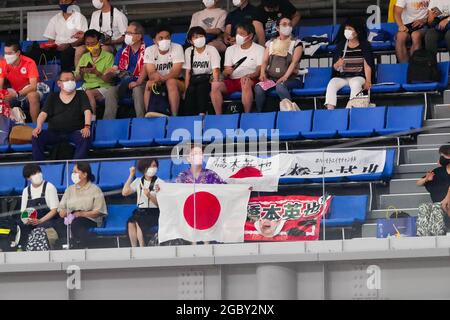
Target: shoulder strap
x,y
152,183
100,19
29,192
192,61
44,188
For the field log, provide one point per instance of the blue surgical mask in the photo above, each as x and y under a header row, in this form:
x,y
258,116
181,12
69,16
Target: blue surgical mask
x,y
64,7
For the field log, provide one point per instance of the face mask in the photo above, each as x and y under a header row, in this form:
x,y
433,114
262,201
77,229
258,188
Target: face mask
x,y
97,4
348,34
64,7
197,159
240,40
37,179
69,86
128,39
237,3
93,48
286,31
75,178
164,45
208,3
151,172
10,58
444,161
199,42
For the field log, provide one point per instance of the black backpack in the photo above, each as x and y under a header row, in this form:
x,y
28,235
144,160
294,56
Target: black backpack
x,y
423,67
9,233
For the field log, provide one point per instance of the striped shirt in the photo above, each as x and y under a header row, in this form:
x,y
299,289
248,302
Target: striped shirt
x,y
353,63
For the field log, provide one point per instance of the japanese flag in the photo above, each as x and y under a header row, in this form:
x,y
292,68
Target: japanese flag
x,y
202,212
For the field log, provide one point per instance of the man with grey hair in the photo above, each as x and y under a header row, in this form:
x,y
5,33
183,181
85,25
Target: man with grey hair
x,y
129,73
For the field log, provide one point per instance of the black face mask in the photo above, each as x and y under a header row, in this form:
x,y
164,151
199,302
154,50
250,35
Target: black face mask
x,y
444,161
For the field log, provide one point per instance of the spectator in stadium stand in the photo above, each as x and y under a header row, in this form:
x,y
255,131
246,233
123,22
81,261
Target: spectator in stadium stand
x,y
411,18
202,64
40,195
239,77
69,119
85,203
111,23
163,65
91,69
438,20
243,14
433,218
273,10
128,66
212,19
146,215
287,50
66,30
22,75
353,63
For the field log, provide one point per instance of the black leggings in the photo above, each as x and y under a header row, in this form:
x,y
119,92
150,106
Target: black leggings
x,y
197,98
80,232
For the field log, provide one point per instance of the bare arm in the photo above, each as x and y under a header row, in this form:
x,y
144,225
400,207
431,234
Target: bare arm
x,y
265,63
294,64
216,31
48,216
367,72
216,74
296,19
30,88
174,73
398,19
259,28
87,117
2,82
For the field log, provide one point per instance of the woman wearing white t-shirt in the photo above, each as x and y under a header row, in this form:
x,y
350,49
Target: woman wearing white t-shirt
x,y
411,18
146,214
202,62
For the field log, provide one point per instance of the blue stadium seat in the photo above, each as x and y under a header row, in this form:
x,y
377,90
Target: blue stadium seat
x,y
216,126
54,173
109,132
164,169
292,124
364,121
306,31
12,180
27,147
386,175
148,40
113,174
255,125
144,131
115,223
431,86
179,38
316,82
186,126
388,44
234,96
402,119
327,123
390,73
26,44
67,181
177,168
4,148
346,211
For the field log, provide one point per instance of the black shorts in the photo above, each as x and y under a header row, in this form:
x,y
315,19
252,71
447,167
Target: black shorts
x,y
146,218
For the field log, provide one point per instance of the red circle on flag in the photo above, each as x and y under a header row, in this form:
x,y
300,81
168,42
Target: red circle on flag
x,y
201,210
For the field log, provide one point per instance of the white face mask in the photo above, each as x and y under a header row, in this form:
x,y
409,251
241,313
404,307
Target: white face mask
x,y
151,172
97,4
197,159
128,39
237,3
199,42
240,40
164,45
348,34
286,31
37,179
10,58
75,178
208,3
69,86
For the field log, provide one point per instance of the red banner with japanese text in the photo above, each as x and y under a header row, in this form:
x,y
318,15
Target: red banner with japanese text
x,y
285,218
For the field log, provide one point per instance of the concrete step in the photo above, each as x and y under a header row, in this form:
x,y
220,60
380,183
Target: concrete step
x,y
369,230
429,155
441,111
441,122
381,214
415,168
399,186
433,138
406,200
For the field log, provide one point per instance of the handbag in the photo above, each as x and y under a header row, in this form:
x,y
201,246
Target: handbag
x,y
360,100
21,134
159,102
288,105
396,227
197,78
48,71
18,116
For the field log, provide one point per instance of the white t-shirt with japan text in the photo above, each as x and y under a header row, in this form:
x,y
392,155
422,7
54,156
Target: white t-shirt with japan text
x,y
164,62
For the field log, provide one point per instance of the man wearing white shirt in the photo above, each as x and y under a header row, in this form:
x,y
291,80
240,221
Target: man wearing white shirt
x,y
163,64
241,75
109,21
42,196
66,30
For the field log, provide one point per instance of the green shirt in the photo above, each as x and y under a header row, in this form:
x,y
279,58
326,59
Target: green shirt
x,y
104,62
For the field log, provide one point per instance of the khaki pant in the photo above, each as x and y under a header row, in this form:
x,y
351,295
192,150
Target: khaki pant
x,y
112,102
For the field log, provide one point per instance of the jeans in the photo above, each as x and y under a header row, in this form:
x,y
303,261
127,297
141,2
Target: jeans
x,y
51,137
282,90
